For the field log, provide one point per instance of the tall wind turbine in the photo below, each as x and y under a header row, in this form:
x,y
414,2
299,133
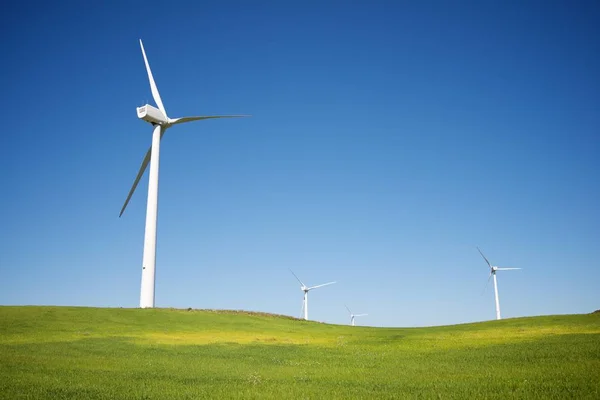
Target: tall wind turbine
x,y
160,122
306,289
493,270
353,315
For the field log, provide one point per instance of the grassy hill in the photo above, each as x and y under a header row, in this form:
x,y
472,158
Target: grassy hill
x,y
94,353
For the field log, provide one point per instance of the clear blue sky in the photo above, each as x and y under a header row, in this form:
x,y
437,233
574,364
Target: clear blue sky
x,y
387,141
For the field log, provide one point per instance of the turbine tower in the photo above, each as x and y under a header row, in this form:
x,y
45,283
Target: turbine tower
x,y
493,270
306,289
353,315
160,122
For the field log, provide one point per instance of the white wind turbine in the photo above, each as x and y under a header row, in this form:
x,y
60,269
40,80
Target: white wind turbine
x,y
353,315
158,118
493,270
306,289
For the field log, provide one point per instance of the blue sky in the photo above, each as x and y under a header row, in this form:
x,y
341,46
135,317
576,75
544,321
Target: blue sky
x,y
387,141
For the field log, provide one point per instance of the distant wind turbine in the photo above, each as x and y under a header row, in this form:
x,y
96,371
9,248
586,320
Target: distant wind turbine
x,y
353,315
493,270
158,118
306,289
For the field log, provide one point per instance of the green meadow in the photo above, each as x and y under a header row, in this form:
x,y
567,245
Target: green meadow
x,y
99,353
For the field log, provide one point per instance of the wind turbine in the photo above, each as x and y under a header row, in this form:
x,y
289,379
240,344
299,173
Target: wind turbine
x,y
306,289
160,122
353,315
493,270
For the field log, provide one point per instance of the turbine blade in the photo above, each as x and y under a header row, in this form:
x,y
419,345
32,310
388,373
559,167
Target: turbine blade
x,y
325,284
506,269
348,309
143,167
486,260
360,315
486,285
153,87
298,281
189,119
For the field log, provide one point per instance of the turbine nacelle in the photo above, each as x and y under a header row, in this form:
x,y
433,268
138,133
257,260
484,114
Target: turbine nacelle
x,y
152,115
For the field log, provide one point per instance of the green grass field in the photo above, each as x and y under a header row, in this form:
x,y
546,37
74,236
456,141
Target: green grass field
x,y
93,353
